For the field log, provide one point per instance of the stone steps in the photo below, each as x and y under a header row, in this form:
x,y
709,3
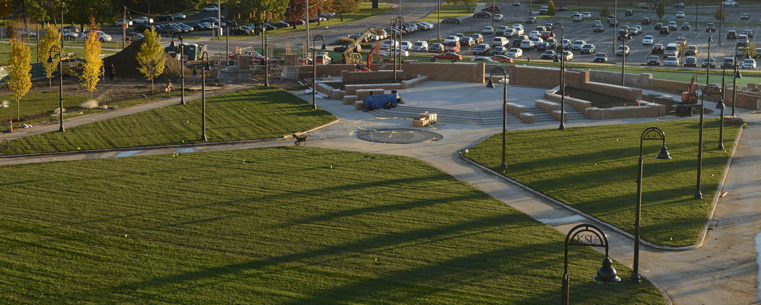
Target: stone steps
x,y
491,117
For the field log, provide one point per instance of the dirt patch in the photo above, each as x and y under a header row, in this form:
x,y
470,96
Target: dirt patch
x,y
597,99
125,63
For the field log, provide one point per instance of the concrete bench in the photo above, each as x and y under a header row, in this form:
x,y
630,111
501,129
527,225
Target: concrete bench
x,y
527,118
556,115
349,99
359,105
515,109
547,106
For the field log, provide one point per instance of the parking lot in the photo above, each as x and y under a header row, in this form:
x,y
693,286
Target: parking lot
x,y
697,35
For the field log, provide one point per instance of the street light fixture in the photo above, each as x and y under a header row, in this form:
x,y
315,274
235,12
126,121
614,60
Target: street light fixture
x,y
588,235
60,82
706,90
490,84
560,53
182,68
206,67
734,85
650,133
314,68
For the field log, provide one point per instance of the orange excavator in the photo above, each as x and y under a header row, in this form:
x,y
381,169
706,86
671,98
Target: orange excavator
x,y
369,61
689,96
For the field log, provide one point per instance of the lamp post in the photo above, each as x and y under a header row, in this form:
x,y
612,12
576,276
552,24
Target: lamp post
x,y
696,14
720,105
708,60
615,23
493,4
206,67
706,90
490,84
182,68
60,82
623,57
592,236
438,17
734,85
314,68
721,19
650,133
530,5
560,53
398,22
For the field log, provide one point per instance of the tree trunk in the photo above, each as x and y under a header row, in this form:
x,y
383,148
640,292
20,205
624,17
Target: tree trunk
x,y
342,16
90,95
151,86
18,109
50,85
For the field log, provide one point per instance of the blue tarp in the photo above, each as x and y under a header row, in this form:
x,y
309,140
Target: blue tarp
x,y
379,101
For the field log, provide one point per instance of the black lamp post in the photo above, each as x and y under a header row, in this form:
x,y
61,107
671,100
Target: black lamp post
x,y
182,68
314,68
60,82
490,84
561,53
706,90
592,236
624,37
398,22
206,67
650,133
530,7
708,60
720,105
734,85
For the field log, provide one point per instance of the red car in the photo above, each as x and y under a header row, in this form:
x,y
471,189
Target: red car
x,y
548,34
491,9
502,58
448,56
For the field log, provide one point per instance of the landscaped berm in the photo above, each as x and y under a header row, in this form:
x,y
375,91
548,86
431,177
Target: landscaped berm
x,y
287,225
594,169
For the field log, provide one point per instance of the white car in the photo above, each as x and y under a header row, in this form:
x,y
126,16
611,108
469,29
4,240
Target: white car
x,y
534,33
567,55
671,61
647,40
680,14
487,30
102,36
391,53
730,3
210,9
69,35
498,17
578,44
142,20
406,45
515,53
420,46
387,44
119,22
518,30
586,15
749,64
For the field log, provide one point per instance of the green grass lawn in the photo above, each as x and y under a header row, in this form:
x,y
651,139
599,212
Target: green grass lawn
x,y
37,106
594,169
365,11
279,226
253,113
447,11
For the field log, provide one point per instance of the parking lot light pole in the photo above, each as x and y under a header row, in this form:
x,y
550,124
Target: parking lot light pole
x,y
734,85
721,108
182,69
615,23
530,8
562,76
490,84
206,67
623,57
314,68
696,14
438,17
650,133
708,89
708,61
721,19
493,4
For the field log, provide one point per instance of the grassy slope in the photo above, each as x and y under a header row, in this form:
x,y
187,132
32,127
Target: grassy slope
x,y
365,11
594,169
253,113
38,103
278,226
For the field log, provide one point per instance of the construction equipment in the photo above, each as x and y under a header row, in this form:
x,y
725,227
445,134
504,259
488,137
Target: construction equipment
x,y
689,96
348,56
367,65
72,65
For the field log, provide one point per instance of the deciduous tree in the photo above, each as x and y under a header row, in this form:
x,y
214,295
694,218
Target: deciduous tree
x,y
19,79
47,41
719,14
605,11
91,72
149,58
551,9
660,10
342,7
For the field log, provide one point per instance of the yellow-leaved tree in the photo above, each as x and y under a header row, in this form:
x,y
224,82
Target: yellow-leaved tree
x,y
19,79
149,58
47,41
93,63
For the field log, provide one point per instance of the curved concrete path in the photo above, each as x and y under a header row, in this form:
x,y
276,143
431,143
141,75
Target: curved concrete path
x,y
723,271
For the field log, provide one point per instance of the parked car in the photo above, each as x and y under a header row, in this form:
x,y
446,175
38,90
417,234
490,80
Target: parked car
x,y
710,27
653,60
482,58
102,36
680,14
758,53
690,61
657,49
498,17
658,26
499,41
142,20
210,9
420,46
742,39
647,40
491,8
72,28
436,47
598,28
502,58
744,16
678,5
577,44
548,54
686,26
516,3
499,50
706,61
565,44
68,34
135,36
515,53
671,61
477,37
749,63
567,55
448,56
730,3
671,25
343,48
588,49
664,31
454,20
487,30
531,20
467,41
516,41
482,14
731,34
165,18
622,50
577,17
601,57
482,49
646,20
179,16
527,45
586,15
547,35
629,13
748,32
692,50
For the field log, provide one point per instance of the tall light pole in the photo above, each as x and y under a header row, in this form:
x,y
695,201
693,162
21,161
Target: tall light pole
x,y
264,52
306,23
397,22
530,8
696,14
182,68
734,85
721,19
708,60
720,105
60,82
561,50
650,133
592,236
708,89
438,17
615,23
314,68
206,67
490,84
623,57
493,4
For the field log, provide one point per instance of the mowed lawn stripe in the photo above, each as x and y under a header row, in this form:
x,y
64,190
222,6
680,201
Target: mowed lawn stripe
x,y
594,169
249,114
290,225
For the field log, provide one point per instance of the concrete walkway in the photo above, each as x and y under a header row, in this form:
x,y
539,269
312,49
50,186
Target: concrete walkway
x,y
723,271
